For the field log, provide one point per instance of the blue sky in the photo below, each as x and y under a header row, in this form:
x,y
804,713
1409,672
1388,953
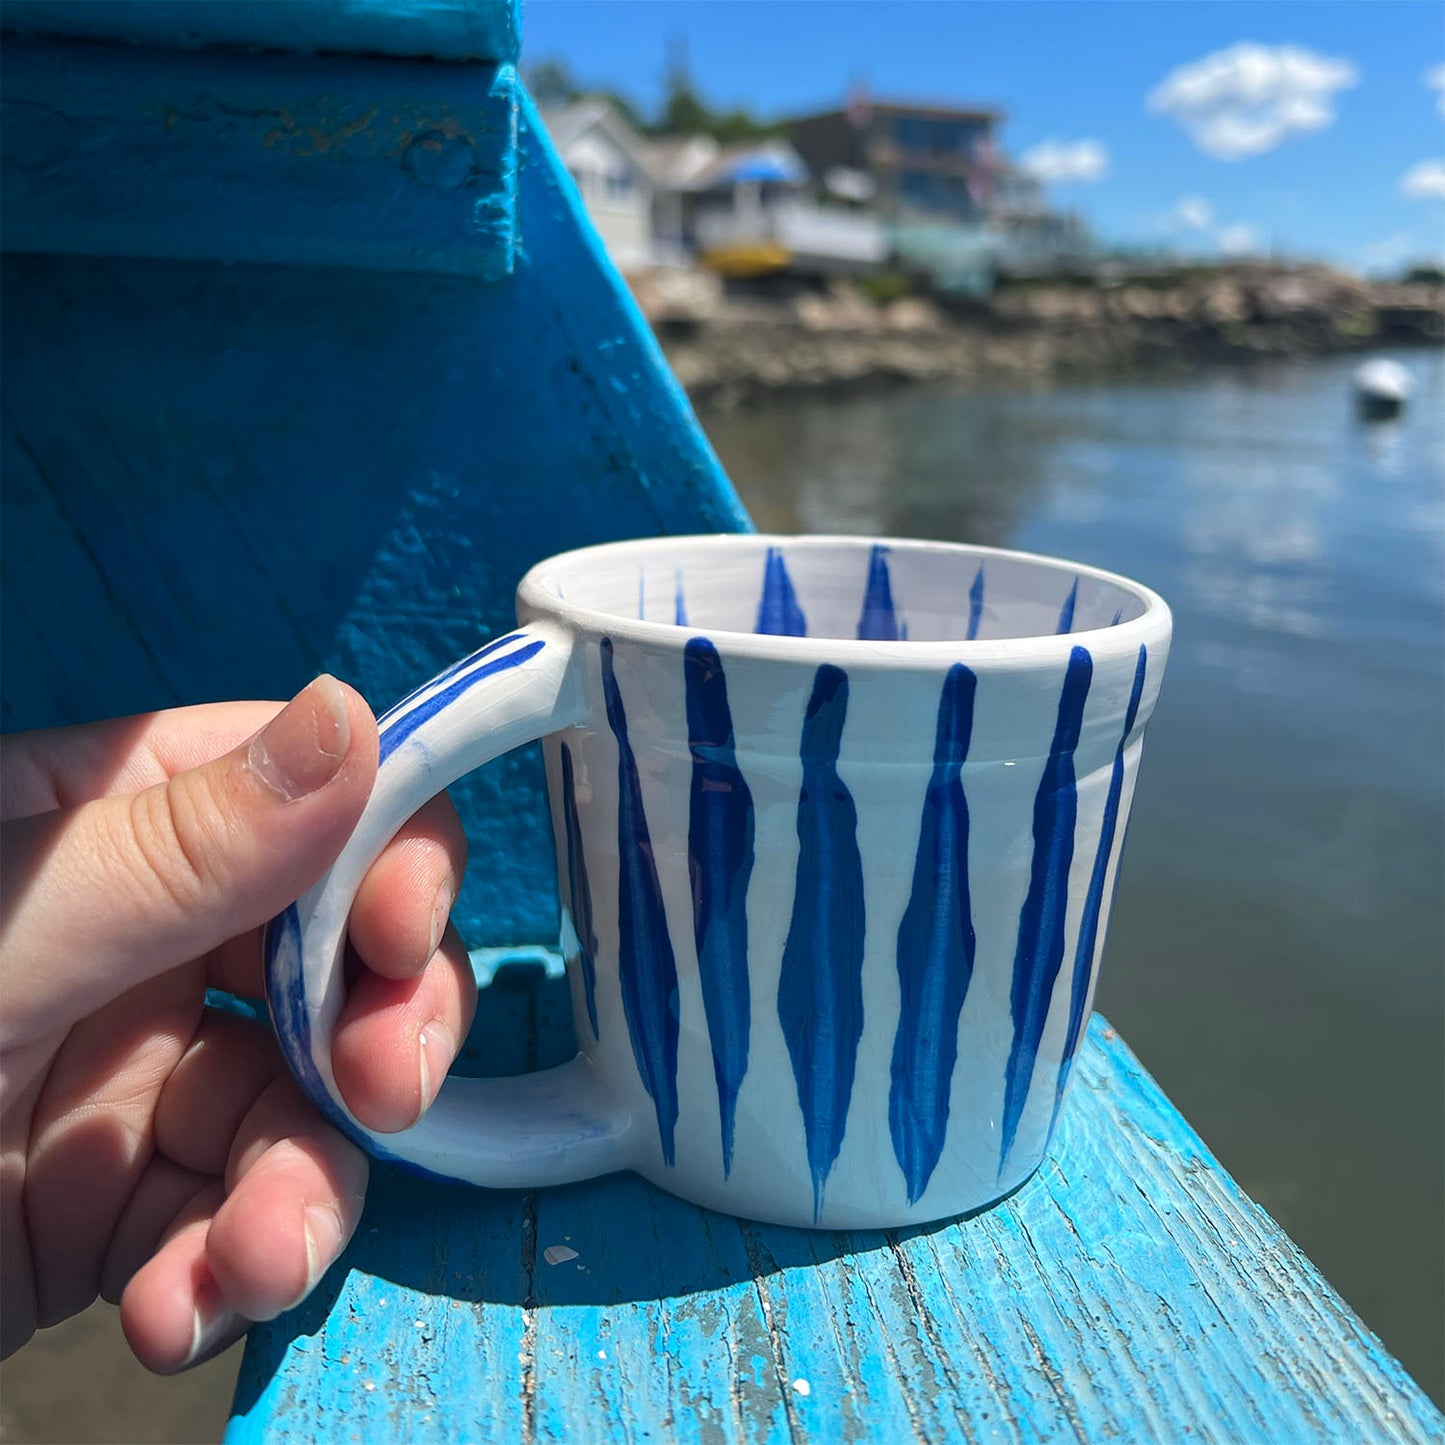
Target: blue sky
x,y
1341,118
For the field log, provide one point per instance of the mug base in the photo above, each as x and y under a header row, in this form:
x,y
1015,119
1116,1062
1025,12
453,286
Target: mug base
x,y
834,1215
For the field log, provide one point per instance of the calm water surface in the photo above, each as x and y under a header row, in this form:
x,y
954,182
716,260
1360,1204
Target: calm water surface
x,y
1277,956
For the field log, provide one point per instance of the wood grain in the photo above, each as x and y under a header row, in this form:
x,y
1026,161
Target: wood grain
x,y
1128,1291
440,29
300,160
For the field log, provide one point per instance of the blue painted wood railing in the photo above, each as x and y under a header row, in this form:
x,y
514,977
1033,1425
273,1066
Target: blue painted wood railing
x,y
307,357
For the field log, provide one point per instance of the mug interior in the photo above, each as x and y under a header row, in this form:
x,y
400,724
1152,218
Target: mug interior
x,y
843,587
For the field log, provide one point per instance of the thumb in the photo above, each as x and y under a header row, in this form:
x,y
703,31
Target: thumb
x,y
97,898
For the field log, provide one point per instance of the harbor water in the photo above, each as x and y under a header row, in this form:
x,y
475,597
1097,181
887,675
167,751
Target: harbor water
x,y
1277,956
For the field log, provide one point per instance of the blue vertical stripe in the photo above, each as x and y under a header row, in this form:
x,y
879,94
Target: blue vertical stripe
x,y
820,991
935,949
646,968
720,866
1066,612
778,610
579,889
1040,950
878,621
1093,900
679,603
975,605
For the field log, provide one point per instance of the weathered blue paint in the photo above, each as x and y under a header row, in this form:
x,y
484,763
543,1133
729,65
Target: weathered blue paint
x,y
397,725
440,29
646,967
778,611
314,162
720,863
579,889
1094,897
878,620
1129,1291
1040,951
1066,612
975,605
820,989
309,439
935,949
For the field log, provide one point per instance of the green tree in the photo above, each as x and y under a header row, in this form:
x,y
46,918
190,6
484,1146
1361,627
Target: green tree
x,y
551,82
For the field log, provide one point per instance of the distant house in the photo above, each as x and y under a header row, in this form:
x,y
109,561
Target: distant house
x,y
923,162
611,165
752,215
677,162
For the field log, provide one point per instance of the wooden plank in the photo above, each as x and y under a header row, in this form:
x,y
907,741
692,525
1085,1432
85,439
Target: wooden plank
x,y
439,29
277,469
315,161
1128,1291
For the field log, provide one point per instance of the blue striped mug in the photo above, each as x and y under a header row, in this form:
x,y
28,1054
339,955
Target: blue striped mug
x,y
838,823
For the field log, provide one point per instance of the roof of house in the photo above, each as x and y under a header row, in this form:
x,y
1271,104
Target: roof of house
x,y
935,109
568,123
769,160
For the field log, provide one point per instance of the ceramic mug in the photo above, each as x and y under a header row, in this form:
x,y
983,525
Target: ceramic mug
x,y
837,825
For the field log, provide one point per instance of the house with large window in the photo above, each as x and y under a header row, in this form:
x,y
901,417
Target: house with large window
x,y
922,161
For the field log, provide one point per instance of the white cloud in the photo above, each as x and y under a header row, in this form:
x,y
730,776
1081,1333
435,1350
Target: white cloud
x,y
1250,98
1435,79
1390,253
1056,161
1424,181
1238,240
1190,213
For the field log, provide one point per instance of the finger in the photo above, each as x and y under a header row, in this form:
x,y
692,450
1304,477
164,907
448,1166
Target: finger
x,y
164,1194
90,1134
296,1189
98,897
396,1038
64,767
228,1065
408,889
402,907
173,1312
19,1305
235,966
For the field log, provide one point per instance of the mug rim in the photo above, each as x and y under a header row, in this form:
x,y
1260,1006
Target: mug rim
x,y
538,594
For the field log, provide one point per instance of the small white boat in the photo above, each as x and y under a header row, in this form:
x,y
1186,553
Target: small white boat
x,y
1382,388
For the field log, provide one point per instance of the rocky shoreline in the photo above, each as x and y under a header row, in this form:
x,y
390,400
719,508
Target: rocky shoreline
x,y
730,351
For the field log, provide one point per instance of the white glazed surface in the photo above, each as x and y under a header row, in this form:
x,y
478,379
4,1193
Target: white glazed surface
x,y
809,1147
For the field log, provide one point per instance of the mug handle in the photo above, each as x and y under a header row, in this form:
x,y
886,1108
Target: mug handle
x,y
548,1127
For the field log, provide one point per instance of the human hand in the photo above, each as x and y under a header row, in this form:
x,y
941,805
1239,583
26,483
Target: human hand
x,y
154,1151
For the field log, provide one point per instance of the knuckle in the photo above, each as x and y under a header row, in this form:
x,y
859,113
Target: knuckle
x,y
175,844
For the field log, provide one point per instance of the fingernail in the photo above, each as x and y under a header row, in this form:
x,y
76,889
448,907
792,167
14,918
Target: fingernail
x,y
212,1322
441,912
323,1243
302,748
436,1048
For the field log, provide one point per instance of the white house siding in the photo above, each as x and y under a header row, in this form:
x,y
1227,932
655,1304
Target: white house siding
x,y
617,194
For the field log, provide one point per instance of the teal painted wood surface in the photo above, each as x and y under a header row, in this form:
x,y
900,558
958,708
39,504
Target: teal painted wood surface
x,y
1129,1291
222,478
442,29
334,161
